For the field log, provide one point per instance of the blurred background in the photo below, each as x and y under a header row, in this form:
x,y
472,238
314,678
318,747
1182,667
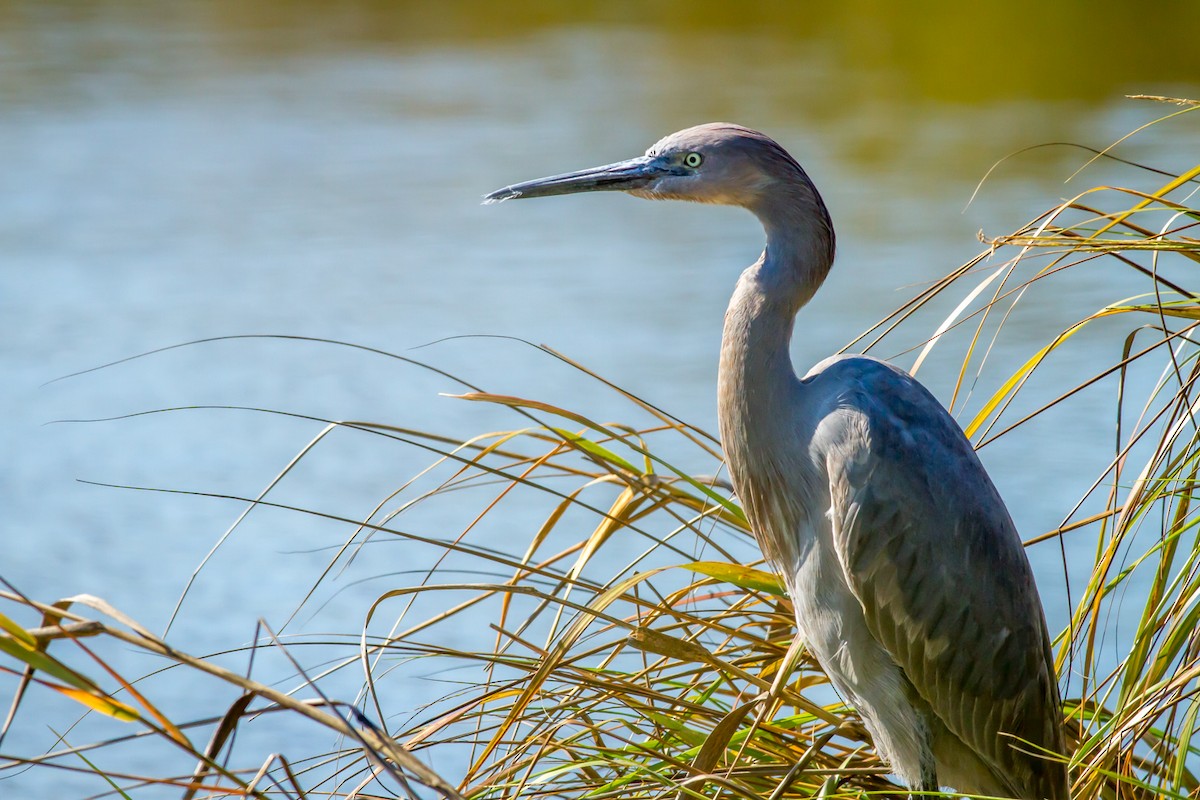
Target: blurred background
x,y
171,172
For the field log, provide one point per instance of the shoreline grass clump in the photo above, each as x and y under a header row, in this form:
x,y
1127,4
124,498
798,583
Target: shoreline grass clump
x,y
674,674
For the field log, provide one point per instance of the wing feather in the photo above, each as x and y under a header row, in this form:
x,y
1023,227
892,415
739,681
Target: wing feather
x,y
930,551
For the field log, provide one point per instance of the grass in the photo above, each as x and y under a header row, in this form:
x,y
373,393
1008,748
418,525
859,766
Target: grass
x,y
675,675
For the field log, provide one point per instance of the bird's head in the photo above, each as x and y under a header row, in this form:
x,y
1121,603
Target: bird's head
x,y
713,163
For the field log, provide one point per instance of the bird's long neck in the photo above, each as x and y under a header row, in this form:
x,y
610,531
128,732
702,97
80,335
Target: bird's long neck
x,y
758,392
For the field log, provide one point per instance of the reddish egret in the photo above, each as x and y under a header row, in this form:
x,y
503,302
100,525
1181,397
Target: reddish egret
x,y
910,584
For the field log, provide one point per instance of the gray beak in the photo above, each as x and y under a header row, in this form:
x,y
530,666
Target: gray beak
x,y
622,176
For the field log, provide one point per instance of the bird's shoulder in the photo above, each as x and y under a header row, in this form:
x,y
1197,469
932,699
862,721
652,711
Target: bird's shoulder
x,y
875,411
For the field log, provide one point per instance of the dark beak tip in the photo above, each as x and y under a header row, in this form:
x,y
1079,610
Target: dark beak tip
x,y
499,196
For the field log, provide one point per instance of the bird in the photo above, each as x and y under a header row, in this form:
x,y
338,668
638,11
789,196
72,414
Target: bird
x,y
910,583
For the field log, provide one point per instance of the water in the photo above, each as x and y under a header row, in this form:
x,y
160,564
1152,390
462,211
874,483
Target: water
x,y
205,170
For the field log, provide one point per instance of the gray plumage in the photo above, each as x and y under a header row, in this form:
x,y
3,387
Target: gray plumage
x,y
910,583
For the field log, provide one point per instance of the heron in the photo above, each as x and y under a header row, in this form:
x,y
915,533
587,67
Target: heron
x,y
910,583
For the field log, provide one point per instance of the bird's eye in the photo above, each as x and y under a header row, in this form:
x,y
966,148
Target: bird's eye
x,y
692,160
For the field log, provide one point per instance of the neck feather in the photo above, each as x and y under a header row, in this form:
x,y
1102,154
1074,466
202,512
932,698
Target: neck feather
x,y
758,325
758,391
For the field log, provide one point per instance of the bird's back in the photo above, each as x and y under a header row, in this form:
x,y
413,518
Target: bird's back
x,y
928,549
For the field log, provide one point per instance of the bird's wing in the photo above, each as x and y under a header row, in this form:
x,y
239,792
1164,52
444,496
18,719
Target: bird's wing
x,y
930,551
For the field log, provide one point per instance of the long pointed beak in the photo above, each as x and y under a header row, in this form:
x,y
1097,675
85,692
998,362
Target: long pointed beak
x,y
636,173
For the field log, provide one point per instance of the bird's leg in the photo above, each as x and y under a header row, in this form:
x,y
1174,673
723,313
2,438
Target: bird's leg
x,y
929,781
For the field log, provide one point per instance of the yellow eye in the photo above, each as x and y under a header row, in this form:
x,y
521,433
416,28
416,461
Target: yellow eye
x,y
693,160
